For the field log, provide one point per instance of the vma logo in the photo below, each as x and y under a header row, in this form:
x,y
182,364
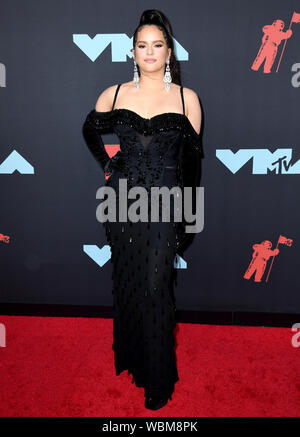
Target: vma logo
x,y
120,43
263,161
102,255
14,162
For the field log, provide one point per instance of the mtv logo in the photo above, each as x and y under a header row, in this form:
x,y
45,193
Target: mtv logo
x,y
263,160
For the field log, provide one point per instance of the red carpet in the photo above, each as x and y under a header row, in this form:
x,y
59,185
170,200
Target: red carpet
x,y
63,367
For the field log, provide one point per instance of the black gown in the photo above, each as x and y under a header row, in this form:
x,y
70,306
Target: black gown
x,y
161,151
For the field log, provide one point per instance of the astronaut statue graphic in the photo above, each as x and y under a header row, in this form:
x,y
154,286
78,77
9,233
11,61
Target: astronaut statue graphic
x,y
273,35
262,252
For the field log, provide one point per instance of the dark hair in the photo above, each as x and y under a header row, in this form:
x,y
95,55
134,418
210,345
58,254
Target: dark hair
x,y
153,16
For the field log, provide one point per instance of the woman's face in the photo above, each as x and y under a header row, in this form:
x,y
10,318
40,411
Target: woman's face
x,y
151,44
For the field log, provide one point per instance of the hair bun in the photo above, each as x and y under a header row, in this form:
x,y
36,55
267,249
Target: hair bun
x,y
152,16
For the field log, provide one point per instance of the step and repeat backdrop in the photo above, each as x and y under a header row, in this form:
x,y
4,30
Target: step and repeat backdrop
x,y
242,58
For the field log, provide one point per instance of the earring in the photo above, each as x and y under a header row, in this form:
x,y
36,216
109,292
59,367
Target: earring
x,y
136,77
167,77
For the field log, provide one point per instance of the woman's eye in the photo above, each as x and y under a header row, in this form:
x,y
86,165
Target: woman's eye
x,y
156,45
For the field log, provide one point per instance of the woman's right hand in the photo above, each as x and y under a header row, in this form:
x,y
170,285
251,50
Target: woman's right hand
x,y
117,162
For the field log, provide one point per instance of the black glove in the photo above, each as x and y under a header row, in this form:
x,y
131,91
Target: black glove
x,y
117,162
92,131
95,143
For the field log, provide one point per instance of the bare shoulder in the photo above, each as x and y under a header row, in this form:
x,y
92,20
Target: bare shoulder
x,y
193,108
105,99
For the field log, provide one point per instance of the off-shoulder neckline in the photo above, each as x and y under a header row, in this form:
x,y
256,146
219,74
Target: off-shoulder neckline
x,y
148,119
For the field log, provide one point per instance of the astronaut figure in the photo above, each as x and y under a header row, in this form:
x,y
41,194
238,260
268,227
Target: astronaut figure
x,y
273,35
260,256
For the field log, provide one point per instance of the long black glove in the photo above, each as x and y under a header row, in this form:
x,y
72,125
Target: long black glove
x,y
93,127
190,176
94,142
115,162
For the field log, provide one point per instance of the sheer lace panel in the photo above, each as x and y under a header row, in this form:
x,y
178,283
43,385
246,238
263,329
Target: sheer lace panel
x,y
145,140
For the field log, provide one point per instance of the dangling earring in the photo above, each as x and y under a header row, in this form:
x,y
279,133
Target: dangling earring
x,y
167,77
136,77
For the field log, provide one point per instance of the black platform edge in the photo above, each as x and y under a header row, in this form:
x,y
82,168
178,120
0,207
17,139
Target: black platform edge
x,y
237,318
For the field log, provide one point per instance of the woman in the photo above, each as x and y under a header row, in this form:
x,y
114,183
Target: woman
x,y
158,124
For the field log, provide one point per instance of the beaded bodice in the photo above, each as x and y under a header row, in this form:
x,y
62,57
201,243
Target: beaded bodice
x,y
106,121
147,145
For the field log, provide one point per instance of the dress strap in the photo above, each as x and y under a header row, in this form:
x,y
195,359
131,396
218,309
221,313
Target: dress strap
x,y
116,93
181,91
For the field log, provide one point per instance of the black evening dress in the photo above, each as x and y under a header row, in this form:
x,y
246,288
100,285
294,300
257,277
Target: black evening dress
x,y
161,151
